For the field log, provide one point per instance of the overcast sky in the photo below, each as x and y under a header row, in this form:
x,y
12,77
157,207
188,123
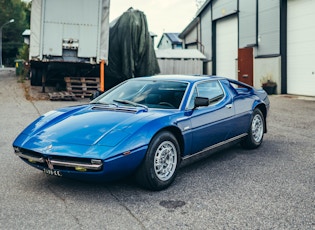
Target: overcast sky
x,y
163,15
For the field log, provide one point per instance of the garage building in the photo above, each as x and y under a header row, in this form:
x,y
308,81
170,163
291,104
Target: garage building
x,y
257,40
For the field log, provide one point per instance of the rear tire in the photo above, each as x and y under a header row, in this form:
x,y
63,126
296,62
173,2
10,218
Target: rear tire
x,y
158,170
256,131
36,77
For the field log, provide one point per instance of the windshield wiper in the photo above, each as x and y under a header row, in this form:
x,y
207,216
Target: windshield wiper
x,y
126,102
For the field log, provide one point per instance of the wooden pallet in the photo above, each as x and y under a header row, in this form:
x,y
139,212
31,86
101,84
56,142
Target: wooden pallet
x,y
82,87
62,96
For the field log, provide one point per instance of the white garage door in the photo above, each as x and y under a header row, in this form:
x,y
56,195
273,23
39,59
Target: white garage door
x,y
226,47
301,47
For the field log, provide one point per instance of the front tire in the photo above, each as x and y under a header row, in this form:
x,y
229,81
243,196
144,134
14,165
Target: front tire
x,y
158,170
256,131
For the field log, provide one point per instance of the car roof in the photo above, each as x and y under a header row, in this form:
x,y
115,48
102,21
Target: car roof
x,y
187,78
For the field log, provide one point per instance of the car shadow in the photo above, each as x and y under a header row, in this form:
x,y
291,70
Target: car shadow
x,y
210,164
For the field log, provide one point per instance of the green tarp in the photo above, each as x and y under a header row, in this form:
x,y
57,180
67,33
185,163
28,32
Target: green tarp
x,y
131,51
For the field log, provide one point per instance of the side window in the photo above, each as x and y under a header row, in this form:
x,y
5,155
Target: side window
x,y
209,89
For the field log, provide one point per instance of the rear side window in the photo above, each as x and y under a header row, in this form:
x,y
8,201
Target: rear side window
x,y
240,89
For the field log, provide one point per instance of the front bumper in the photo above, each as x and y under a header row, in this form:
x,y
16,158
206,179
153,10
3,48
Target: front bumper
x,y
86,169
77,164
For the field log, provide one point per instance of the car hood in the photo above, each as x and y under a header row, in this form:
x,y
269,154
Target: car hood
x,y
86,125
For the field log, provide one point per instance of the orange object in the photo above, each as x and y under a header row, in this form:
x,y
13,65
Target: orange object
x,y
102,77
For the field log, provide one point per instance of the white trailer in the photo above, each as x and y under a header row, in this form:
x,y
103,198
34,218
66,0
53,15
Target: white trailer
x,y
67,36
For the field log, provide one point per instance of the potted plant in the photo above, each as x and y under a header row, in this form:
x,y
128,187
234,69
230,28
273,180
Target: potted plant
x,y
269,85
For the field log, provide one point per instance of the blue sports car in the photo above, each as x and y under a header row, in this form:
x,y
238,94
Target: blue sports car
x,y
145,127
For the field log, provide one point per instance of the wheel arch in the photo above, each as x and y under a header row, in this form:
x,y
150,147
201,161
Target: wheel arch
x,y
178,135
263,109
146,174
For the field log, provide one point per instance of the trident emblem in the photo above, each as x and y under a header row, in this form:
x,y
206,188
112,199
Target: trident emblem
x,y
49,164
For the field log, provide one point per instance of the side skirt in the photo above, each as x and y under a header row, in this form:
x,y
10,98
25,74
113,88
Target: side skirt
x,y
186,160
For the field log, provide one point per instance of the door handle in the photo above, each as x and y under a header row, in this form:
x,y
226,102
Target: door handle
x,y
229,106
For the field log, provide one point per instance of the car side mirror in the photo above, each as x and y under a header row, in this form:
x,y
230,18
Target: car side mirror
x,y
201,101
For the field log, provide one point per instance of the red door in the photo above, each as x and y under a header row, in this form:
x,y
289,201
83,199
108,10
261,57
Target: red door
x,y
245,65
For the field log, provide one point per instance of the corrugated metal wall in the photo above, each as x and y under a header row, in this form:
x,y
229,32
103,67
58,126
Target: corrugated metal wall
x,y
172,66
81,23
247,23
258,26
268,27
223,8
191,37
206,33
263,28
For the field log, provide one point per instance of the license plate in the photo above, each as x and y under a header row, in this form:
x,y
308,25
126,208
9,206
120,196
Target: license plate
x,y
52,172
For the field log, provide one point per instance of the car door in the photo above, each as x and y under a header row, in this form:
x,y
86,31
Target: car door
x,y
210,125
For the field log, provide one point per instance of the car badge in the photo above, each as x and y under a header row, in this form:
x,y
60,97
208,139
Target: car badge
x,y
49,164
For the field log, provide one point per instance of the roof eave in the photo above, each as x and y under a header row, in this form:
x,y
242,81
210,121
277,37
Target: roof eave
x,y
194,22
190,26
203,7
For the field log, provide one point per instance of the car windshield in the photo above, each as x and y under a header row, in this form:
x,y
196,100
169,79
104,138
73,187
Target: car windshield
x,y
149,93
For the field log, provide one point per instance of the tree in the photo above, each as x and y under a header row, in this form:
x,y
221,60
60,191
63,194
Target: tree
x,y
12,39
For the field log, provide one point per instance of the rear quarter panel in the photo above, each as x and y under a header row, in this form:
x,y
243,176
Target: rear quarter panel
x,y
245,100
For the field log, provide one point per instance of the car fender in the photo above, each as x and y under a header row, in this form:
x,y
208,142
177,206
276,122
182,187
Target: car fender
x,y
144,134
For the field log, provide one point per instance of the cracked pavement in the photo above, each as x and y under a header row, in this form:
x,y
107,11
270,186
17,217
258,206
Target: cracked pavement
x,y
268,188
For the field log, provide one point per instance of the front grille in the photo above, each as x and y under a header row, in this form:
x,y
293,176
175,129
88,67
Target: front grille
x,y
60,162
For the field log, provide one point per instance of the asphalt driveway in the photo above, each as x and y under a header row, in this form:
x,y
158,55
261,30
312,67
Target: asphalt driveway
x,y
272,187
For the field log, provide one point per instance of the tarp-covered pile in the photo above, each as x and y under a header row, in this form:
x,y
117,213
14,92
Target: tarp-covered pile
x,y
131,51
